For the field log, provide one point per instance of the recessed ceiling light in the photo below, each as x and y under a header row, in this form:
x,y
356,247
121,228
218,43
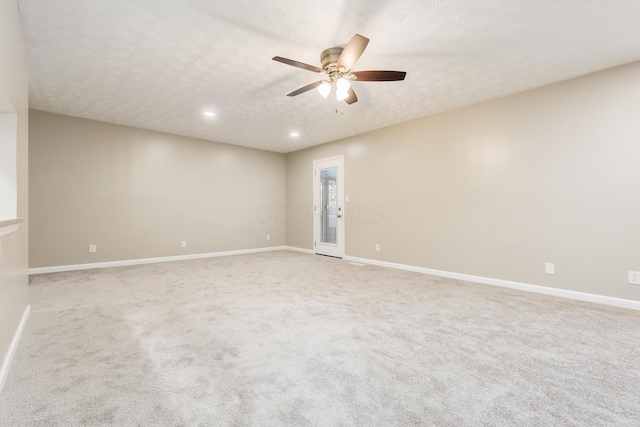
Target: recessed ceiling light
x,y
294,134
209,113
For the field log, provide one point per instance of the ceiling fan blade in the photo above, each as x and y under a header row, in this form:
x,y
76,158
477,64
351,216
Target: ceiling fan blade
x,y
352,97
378,76
297,64
306,88
352,52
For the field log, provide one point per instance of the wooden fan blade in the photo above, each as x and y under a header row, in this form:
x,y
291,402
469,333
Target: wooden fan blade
x,y
352,97
352,52
306,88
297,64
378,76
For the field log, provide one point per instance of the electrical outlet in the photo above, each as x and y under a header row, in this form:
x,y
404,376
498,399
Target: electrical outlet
x,y
377,247
550,268
92,249
183,243
268,236
634,277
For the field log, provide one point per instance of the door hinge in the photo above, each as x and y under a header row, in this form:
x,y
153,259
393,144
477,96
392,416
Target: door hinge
x,y
314,243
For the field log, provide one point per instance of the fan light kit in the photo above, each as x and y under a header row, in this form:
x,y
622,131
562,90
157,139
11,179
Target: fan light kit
x,y
336,65
324,89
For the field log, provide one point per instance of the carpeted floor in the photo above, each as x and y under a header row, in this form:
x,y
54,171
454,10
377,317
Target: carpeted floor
x,y
290,339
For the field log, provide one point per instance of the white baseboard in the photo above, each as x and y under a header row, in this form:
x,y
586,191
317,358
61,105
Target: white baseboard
x,y
6,364
107,264
563,293
303,250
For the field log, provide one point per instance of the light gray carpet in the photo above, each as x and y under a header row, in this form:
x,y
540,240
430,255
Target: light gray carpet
x,y
290,339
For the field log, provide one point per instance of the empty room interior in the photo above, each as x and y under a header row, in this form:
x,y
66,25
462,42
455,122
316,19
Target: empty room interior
x,y
329,213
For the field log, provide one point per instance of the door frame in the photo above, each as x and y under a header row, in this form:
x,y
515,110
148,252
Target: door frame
x,y
340,228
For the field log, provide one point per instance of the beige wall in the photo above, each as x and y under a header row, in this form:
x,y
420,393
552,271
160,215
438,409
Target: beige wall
x,y
137,194
498,189
13,259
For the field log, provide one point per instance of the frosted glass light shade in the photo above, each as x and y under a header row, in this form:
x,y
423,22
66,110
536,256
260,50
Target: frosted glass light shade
x,y
343,84
342,94
324,89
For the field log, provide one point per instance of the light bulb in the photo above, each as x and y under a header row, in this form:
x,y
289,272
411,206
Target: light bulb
x,y
324,89
343,84
342,94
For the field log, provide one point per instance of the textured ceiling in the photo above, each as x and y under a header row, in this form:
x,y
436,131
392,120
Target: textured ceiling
x,y
159,64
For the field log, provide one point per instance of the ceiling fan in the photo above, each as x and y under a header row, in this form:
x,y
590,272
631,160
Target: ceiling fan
x,y
336,65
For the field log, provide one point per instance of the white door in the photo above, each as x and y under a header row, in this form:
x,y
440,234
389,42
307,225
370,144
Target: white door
x,y
328,209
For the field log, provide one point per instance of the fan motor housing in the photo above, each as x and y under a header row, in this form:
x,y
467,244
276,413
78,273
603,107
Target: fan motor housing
x,y
329,58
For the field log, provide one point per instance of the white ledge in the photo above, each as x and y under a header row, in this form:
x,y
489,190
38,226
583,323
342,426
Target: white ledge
x,y
9,226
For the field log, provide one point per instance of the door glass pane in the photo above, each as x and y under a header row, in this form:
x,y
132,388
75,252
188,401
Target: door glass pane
x,y
328,205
